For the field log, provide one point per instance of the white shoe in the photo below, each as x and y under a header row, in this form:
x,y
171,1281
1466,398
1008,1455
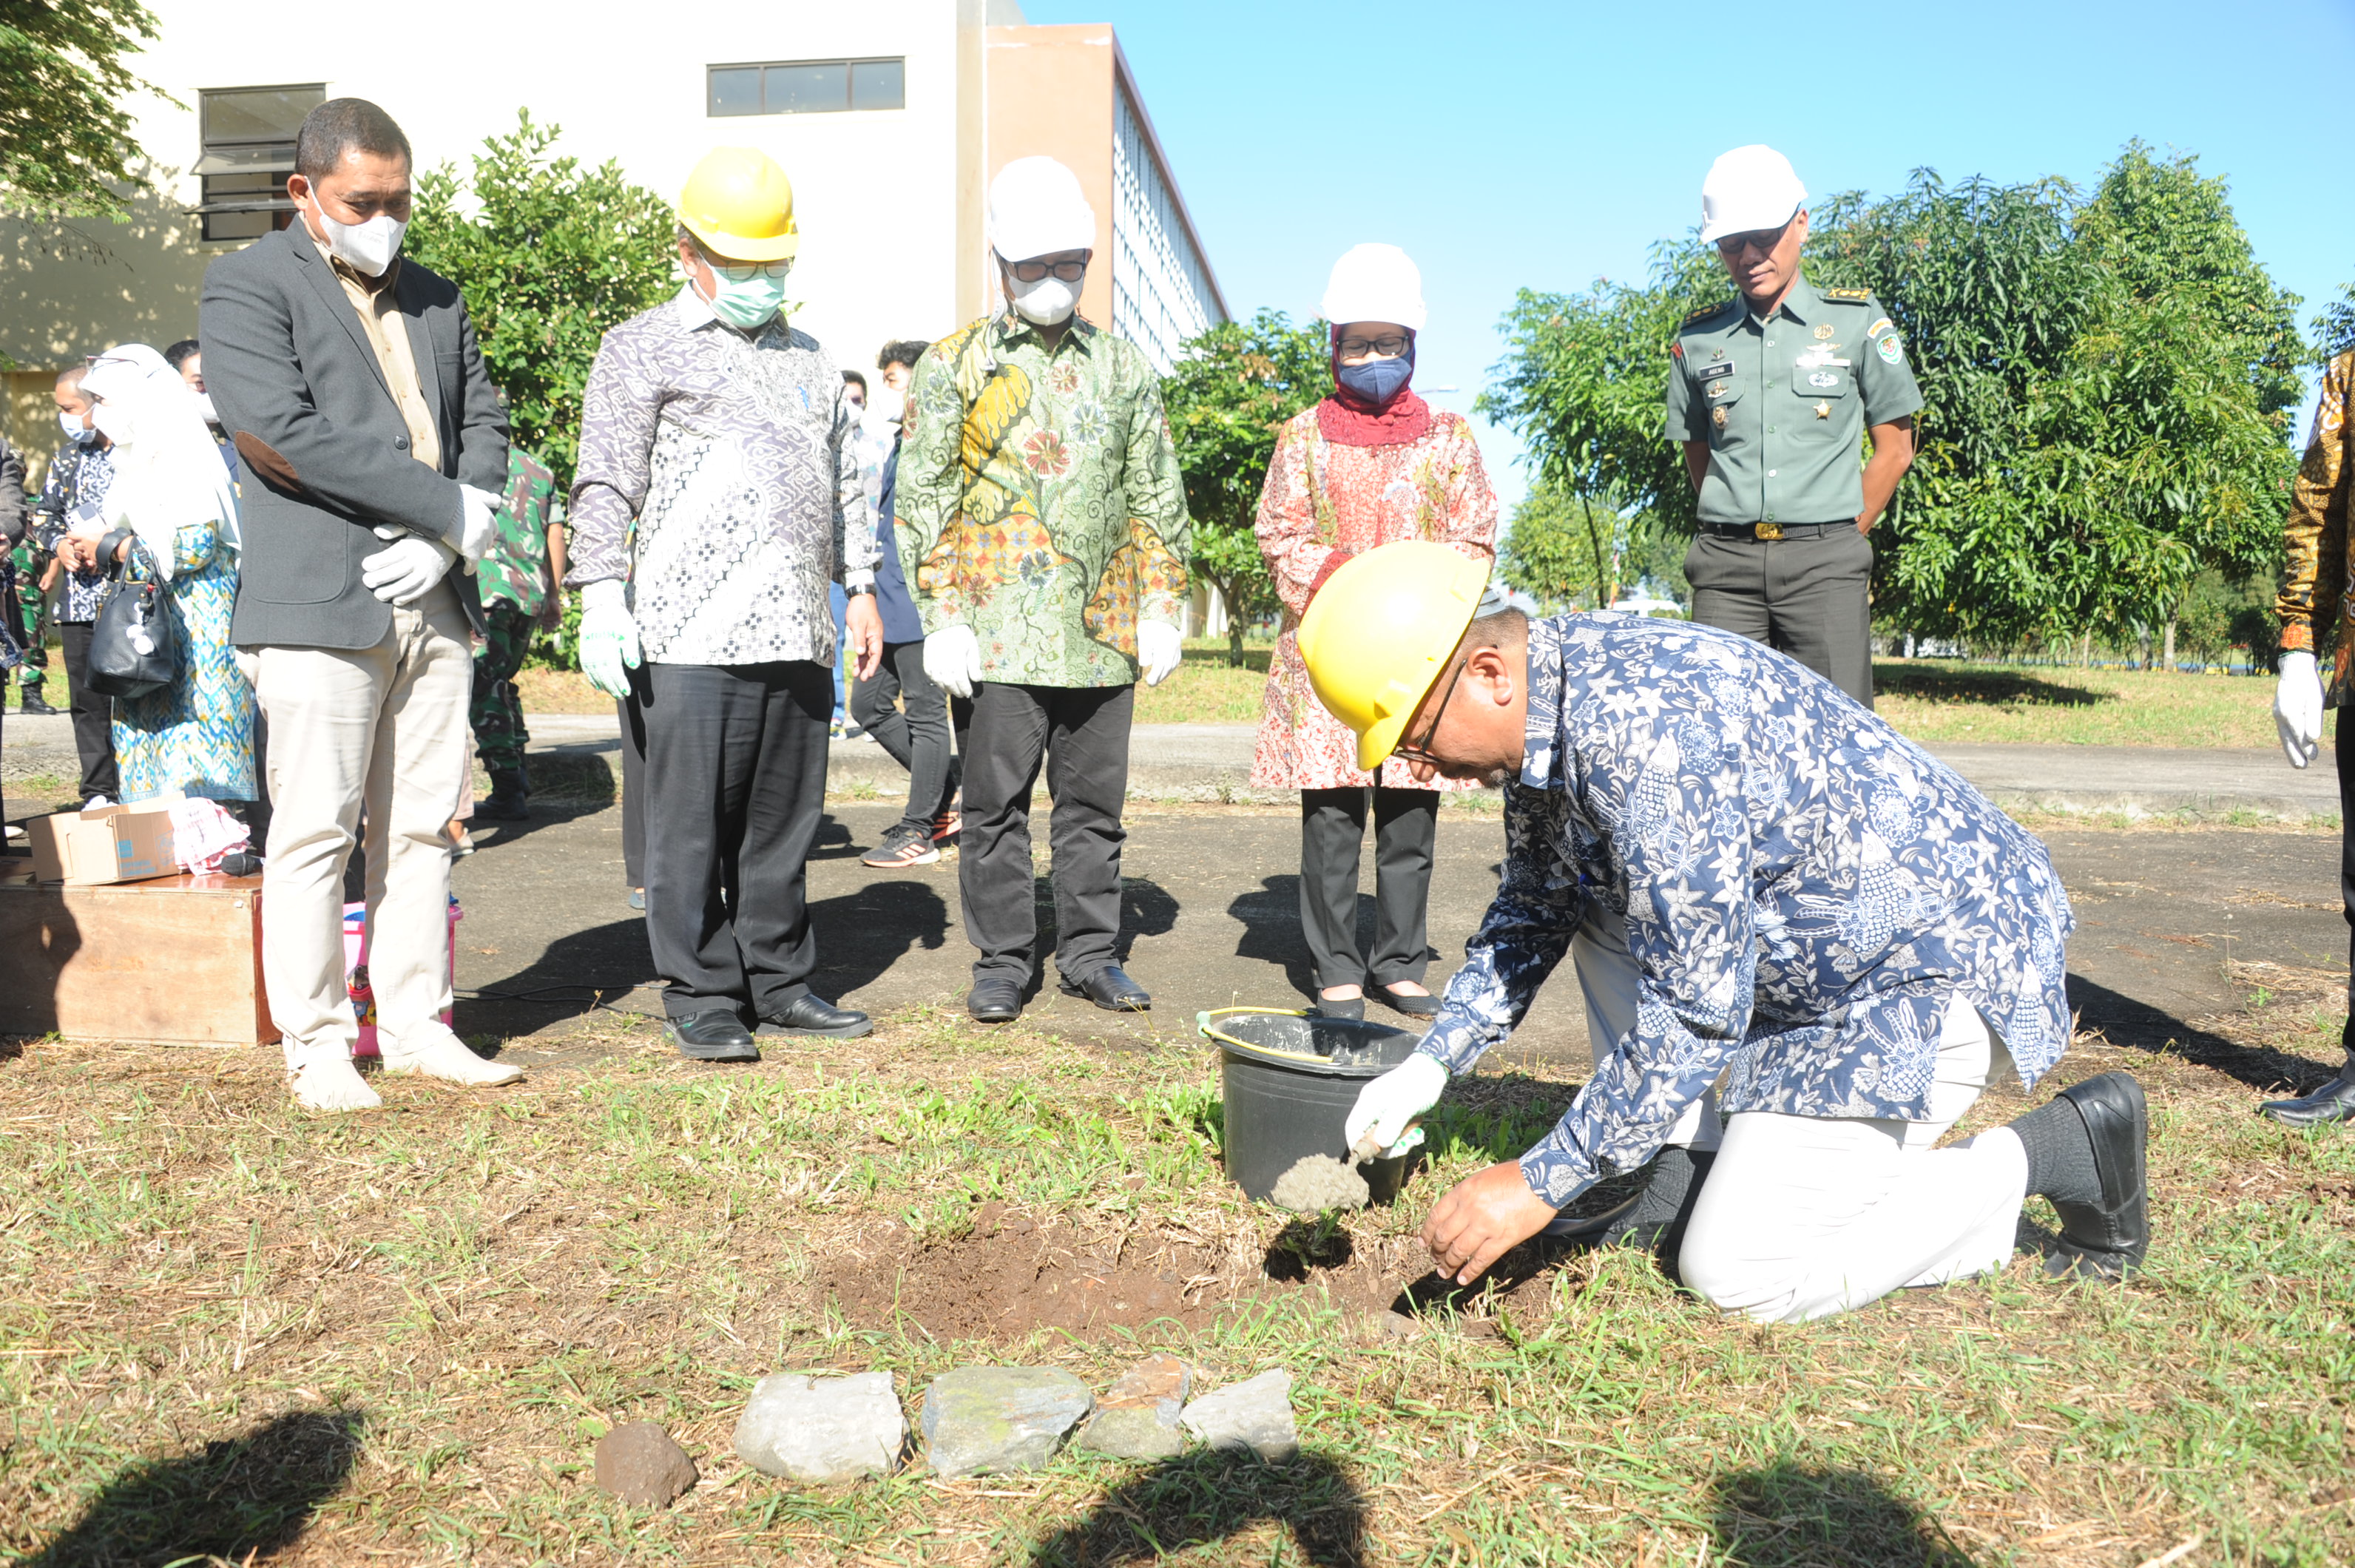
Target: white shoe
x,y
438,1053
323,1079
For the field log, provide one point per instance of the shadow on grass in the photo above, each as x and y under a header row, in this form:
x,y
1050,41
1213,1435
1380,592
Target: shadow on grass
x,y
1788,1515
2124,1020
1928,683
243,1498
1204,1497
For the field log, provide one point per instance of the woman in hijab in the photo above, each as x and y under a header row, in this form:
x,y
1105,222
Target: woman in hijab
x,y
170,516
1371,464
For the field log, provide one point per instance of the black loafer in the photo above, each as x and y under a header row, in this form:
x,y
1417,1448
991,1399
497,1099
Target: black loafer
x,y
1110,990
2107,1240
716,1034
1412,1006
810,1013
995,1001
2333,1102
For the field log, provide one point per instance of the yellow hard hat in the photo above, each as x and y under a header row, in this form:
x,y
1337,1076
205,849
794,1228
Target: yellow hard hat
x,y
1381,629
741,205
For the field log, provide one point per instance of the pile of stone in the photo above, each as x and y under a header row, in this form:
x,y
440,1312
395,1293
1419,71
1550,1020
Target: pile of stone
x,y
990,1420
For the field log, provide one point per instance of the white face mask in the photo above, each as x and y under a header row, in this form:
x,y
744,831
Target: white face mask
x,y
1046,302
366,247
112,423
204,407
886,405
76,431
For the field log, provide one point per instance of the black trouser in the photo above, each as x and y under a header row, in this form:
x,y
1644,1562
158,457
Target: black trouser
x,y
93,715
2344,745
735,783
1807,597
634,782
1083,733
1332,835
918,740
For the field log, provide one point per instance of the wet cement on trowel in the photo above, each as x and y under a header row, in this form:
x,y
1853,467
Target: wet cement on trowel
x,y
1317,1182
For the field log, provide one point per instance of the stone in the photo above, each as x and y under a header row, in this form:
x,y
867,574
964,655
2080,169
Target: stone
x,y
640,1463
1138,1417
980,1420
818,1430
1255,1413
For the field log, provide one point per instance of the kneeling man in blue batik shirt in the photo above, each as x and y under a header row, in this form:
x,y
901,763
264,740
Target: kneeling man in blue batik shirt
x,y
1773,894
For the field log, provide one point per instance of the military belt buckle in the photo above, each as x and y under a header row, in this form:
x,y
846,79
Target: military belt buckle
x,y
1769,530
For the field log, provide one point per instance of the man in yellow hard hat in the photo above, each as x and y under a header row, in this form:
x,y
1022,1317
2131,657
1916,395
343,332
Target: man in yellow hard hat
x,y
1764,882
722,431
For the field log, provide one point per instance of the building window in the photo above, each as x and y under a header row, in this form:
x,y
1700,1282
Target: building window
x,y
806,86
248,137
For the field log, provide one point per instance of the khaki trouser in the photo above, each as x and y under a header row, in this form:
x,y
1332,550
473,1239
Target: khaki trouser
x,y
385,726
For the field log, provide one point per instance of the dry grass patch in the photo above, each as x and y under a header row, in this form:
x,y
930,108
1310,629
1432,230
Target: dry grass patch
x,y
228,1327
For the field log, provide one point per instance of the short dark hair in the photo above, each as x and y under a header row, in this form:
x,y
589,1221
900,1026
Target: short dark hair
x,y
853,379
72,374
180,353
343,125
902,351
1508,629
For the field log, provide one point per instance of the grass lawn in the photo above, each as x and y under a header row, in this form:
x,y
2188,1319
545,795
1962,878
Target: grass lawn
x,y
228,1327
1937,700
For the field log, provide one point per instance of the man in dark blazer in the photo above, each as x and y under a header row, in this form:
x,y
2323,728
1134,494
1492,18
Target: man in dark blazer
x,y
373,448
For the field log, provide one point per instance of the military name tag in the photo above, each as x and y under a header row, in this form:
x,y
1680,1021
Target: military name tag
x,y
1725,368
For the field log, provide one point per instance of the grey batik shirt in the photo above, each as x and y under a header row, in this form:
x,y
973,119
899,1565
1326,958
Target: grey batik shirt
x,y
736,455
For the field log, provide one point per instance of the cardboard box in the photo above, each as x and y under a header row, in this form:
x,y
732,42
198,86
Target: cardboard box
x,y
111,844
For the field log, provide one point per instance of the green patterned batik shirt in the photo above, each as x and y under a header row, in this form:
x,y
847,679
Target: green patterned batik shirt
x,y
514,568
1039,501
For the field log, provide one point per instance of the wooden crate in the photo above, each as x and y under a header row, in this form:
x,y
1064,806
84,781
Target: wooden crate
x,y
177,960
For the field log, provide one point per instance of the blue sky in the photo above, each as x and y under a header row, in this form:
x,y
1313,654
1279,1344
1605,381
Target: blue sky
x,y
1508,145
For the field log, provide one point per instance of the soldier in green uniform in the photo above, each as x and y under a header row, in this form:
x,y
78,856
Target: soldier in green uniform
x,y
35,570
514,577
1771,394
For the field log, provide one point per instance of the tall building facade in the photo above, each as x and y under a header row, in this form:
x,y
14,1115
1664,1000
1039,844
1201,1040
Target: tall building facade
x,y
890,116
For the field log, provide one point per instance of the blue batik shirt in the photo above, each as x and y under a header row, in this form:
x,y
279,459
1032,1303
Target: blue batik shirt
x,y
1804,890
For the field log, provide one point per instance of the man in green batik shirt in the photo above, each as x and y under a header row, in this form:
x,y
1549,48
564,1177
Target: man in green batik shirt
x,y
1771,394
515,577
1042,532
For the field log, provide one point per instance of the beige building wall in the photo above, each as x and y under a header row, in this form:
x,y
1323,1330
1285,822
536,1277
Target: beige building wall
x,y
1051,95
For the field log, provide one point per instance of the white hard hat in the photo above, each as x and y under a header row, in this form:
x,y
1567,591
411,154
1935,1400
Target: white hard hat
x,y
1036,208
1375,282
1748,189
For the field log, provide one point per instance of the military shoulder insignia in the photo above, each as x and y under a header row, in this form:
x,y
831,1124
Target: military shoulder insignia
x,y
1856,296
1705,312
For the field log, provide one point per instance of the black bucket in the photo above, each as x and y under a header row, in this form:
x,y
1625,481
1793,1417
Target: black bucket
x,y
1290,1081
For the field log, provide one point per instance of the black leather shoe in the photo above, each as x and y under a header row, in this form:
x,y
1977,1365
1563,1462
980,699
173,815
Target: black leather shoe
x,y
1110,990
2107,1240
995,1001
2333,1102
810,1013
716,1034
1350,1008
1406,1002
506,801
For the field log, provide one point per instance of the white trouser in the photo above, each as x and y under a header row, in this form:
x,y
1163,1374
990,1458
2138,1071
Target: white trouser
x,y
1804,1216
1606,973
385,725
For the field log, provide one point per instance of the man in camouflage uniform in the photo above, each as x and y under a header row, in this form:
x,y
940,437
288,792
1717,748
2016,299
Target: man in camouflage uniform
x,y
23,595
2316,595
515,577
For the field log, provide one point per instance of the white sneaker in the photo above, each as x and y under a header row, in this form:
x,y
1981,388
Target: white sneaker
x,y
437,1053
323,1079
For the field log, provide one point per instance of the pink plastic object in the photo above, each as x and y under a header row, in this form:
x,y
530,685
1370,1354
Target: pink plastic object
x,y
356,974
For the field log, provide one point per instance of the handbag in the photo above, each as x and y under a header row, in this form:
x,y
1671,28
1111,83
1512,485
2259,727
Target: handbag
x,y
134,647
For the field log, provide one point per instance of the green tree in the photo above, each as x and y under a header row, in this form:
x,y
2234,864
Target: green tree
x,y
65,131
2334,326
548,255
1227,398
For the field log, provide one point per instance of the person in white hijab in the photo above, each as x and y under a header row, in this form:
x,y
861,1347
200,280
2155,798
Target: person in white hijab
x,y
170,516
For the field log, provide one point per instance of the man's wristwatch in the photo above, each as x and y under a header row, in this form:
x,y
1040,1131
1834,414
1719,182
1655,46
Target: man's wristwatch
x,y
866,588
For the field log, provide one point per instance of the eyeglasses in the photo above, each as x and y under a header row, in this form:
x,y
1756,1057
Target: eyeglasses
x,y
1420,750
745,272
1388,347
1031,271
1761,240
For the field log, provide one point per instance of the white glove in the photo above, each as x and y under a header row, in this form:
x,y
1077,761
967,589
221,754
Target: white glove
x,y
953,659
406,570
1158,649
609,638
2297,708
1387,1104
476,526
